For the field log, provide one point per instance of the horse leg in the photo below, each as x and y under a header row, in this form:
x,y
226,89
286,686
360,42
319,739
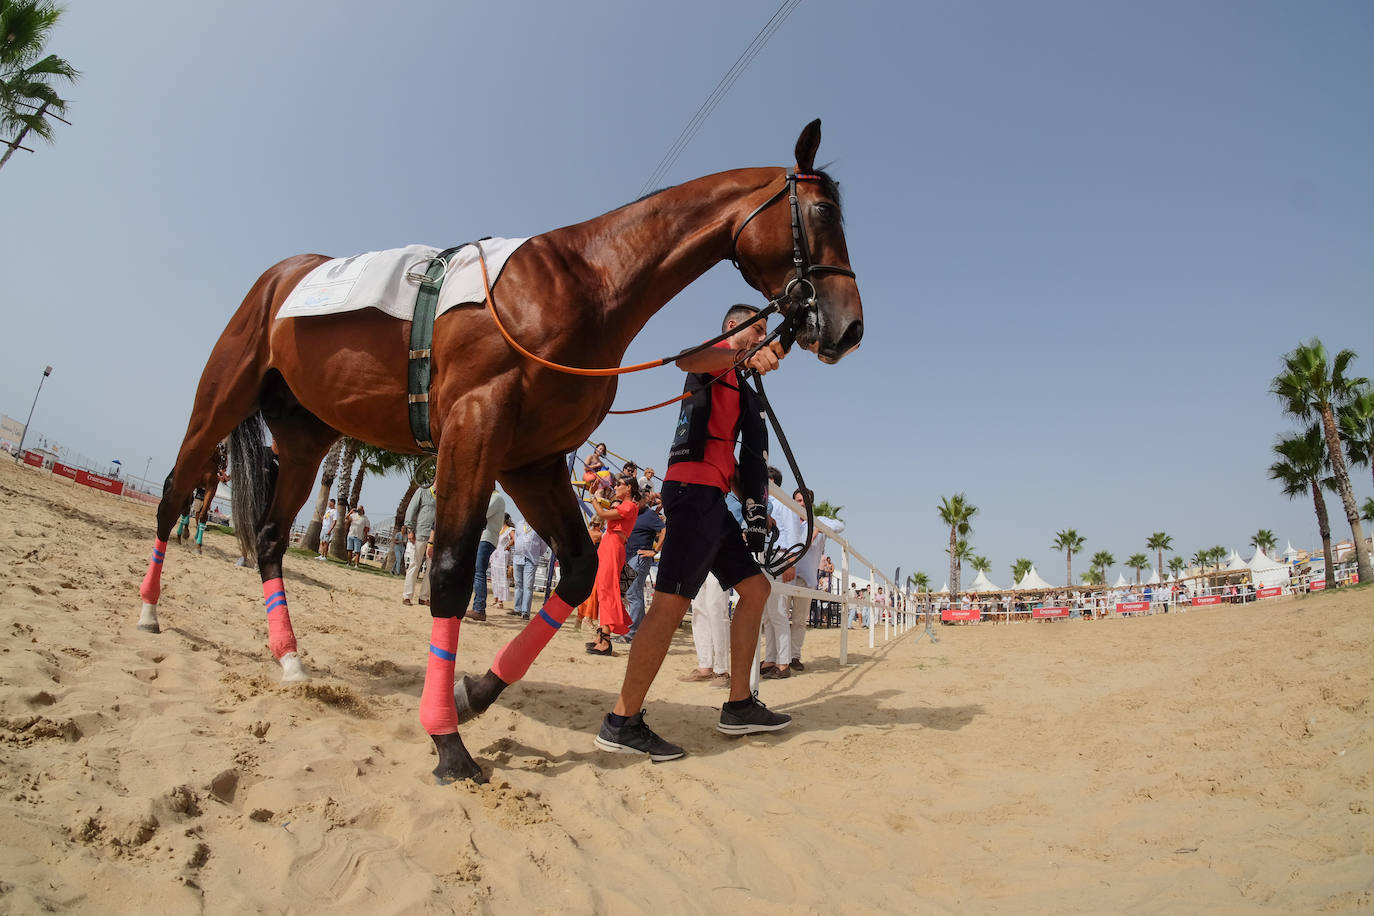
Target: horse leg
x,y
463,480
204,514
301,440
542,492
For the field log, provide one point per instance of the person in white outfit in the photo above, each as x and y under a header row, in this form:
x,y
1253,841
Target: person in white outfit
x,y
808,571
711,633
777,627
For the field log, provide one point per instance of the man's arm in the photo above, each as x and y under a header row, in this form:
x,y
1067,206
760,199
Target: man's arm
x,y
717,359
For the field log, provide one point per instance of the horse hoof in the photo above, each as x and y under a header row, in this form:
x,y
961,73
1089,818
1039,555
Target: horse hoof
x,y
292,671
455,763
474,696
147,620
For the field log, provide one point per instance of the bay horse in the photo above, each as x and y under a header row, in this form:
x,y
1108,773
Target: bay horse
x,y
207,483
577,294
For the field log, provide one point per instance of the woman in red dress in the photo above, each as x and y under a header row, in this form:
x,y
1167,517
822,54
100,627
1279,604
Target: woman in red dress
x,y
610,559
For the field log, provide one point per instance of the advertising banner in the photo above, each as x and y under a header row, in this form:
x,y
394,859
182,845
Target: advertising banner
x,y
62,470
1317,585
1132,607
1272,591
955,613
1050,612
1202,600
11,430
33,459
98,482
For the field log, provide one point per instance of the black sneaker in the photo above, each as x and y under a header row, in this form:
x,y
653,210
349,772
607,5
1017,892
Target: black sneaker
x,y
753,718
634,737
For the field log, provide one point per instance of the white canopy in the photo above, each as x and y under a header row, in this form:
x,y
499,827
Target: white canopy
x,y
1265,572
1154,577
1236,564
1290,554
1121,581
944,589
983,584
1032,580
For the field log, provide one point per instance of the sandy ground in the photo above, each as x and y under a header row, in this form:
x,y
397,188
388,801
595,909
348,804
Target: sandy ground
x,y
1215,761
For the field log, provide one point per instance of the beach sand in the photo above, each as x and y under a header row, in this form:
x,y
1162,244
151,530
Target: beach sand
x,y
1214,761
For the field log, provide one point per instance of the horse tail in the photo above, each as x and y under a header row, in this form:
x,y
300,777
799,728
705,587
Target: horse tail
x,y
253,478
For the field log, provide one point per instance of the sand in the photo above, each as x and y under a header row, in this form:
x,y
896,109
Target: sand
x,y
1214,761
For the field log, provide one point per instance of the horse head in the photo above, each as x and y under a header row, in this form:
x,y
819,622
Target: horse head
x,y
798,257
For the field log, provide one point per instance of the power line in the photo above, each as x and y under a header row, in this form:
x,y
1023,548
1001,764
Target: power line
x,y
722,88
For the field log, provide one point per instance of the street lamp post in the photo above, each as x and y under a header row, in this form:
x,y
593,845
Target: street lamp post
x,y
19,456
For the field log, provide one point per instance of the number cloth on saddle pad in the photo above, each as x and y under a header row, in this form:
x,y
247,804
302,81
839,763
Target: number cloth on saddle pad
x,y
378,279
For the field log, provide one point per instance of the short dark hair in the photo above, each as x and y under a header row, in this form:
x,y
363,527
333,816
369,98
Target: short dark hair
x,y
775,475
737,312
806,494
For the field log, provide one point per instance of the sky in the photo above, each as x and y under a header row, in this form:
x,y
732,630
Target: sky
x,y
1085,233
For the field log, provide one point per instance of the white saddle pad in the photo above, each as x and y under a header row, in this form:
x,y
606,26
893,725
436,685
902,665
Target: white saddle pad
x,y
379,280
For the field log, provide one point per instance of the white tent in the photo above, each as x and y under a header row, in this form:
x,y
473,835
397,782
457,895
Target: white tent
x,y
1236,564
1121,581
1154,577
1265,572
983,584
1032,580
944,589
1290,555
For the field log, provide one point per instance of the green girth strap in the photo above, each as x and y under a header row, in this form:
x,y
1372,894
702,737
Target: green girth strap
x,y
421,343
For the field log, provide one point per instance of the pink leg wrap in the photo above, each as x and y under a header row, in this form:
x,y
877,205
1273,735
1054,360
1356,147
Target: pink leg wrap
x,y
438,715
151,589
280,637
516,656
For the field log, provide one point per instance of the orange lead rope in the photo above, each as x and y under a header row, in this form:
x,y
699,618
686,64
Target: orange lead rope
x,y
621,370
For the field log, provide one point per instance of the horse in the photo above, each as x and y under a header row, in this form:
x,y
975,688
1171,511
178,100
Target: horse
x,y
214,473
579,293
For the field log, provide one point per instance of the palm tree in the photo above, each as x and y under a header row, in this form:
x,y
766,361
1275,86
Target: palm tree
x,y
1367,510
1137,561
1301,467
329,469
1219,555
1070,542
419,470
1202,559
823,509
1019,569
338,548
956,511
962,551
1177,565
27,97
1160,542
1264,540
373,460
1101,560
1092,577
1311,388
980,564
1357,427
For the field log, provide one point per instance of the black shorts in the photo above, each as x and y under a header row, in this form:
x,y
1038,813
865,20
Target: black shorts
x,y
700,536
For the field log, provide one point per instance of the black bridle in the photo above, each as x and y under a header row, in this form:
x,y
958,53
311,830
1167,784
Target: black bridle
x,y
799,295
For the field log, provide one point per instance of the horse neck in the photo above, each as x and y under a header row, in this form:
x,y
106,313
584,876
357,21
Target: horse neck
x,y
645,253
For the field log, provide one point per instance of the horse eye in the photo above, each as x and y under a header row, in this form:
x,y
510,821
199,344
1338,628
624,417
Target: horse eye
x,y
824,212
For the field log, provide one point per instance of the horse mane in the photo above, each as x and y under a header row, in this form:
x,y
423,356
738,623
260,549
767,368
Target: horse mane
x,y
829,187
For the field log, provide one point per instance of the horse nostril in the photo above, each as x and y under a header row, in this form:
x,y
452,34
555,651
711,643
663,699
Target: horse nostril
x,y
851,336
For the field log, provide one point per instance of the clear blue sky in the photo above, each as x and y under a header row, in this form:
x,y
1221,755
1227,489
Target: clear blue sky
x,y
1084,232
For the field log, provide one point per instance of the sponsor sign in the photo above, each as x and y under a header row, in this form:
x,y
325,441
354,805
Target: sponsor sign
x,y
33,459
956,613
1272,591
1132,607
1203,600
1354,578
99,482
11,430
1317,585
148,498
1050,612
62,470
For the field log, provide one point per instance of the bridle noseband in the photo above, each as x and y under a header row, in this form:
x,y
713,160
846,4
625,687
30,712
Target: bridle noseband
x,y
799,295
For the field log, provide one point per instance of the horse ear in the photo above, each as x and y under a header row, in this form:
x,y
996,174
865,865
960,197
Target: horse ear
x,y
807,144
